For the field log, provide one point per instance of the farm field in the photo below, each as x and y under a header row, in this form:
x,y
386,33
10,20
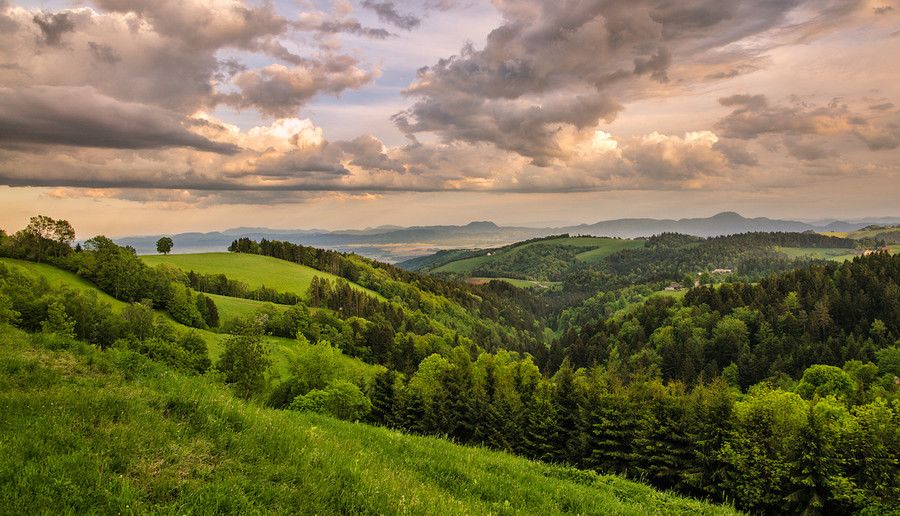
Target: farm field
x,y
254,270
127,435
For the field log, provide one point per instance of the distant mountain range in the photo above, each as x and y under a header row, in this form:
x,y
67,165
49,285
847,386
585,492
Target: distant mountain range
x,y
393,243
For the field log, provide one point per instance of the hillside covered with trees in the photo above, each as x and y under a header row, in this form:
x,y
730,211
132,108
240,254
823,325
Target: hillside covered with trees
x,y
778,395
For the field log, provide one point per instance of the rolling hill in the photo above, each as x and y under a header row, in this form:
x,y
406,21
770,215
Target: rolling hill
x,y
254,270
524,259
127,435
281,350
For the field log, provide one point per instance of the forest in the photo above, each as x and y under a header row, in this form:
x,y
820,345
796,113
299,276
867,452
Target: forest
x,y
776,390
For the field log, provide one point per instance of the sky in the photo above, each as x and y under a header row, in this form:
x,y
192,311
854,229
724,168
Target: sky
x,y
162,116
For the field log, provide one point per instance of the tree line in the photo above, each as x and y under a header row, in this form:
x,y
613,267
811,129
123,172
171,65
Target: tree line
x,y
823,314
114,269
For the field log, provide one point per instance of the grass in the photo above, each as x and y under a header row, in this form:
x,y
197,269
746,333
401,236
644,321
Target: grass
x,y
59,278
464,266
521,283
608,247
838,254
254,270
596,249
281,350
84,431
233,307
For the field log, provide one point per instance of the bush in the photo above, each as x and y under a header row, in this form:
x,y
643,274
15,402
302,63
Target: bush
x,y
340,399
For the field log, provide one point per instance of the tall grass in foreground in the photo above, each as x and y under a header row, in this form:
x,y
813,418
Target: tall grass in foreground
x,y
86,431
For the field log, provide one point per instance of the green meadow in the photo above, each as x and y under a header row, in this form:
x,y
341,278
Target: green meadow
x,y
254,270
109,432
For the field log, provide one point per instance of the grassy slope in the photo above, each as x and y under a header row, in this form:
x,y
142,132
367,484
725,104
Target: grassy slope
x,y
826,253
110,432
58,278
600,247
518,282
280,350
254,270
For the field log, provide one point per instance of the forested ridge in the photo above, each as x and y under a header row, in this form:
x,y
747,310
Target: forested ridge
x,y
776,392
758,374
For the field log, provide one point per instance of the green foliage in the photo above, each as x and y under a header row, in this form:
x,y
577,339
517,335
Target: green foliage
x,y
184,308
126,435
58,321
340,399
825,380
244,362
164,245
671,257
42,239
889,360
7,314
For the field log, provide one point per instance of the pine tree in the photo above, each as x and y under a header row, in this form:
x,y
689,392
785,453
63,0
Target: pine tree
x,y
384,398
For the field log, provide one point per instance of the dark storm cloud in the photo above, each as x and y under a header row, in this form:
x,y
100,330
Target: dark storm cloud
x,y
53,26
387,12
79,116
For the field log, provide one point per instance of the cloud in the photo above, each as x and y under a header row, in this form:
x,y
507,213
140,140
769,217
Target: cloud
x,y
205,24
387,12
600,52
79,116
53,26
104,53
884,106
327,26
882,138
807,150
754,116
279,91
119,100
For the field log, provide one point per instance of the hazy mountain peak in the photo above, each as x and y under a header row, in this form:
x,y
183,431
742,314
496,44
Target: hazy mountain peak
x,y
728,215
481,224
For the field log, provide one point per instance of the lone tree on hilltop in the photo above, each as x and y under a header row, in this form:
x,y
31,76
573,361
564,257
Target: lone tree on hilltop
x,y
164,245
